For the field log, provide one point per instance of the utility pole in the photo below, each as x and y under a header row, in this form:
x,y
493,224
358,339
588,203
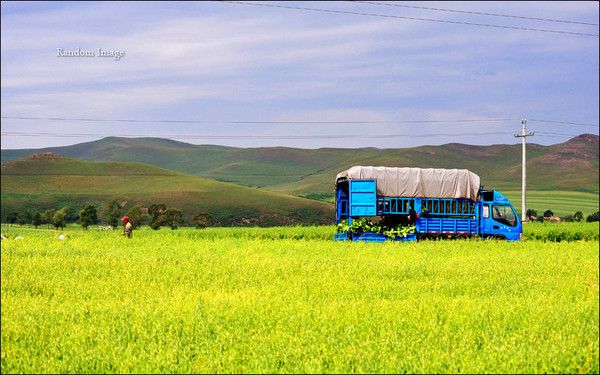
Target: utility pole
x,y
523,137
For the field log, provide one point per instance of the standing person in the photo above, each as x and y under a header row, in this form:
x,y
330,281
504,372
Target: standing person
x,y
412,216
128,228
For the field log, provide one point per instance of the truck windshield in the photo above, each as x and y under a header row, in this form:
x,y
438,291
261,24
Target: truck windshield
x,y
504,215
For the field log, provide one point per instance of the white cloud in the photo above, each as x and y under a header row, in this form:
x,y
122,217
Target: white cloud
x,y
220,61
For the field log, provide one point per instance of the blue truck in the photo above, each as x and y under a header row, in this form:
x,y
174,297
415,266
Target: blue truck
x,y
448,203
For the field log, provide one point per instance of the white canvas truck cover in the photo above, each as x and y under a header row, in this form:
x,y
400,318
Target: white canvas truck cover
x,y
418,182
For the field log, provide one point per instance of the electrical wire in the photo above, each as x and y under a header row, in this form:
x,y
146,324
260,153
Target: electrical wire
x,y
563,122
290,137
249,136
317,122
408,18
254,122
476,13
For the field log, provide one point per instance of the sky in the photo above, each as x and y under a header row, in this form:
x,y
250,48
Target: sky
x,y
341,74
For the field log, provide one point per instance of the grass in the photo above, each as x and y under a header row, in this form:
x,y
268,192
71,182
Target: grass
x,y
42,184
560,202
572,165
178,302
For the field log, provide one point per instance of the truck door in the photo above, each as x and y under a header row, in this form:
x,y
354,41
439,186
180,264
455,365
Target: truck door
x,y
501,221
363,198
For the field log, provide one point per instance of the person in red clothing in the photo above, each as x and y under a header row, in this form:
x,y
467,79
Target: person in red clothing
x,y
128,228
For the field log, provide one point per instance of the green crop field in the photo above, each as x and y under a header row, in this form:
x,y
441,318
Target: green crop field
x,y
272,300
560,202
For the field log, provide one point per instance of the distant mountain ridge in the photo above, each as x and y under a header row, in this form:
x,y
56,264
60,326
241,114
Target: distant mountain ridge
x,y
570,166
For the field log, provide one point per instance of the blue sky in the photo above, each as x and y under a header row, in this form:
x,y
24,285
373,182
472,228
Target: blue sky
x,y
221,63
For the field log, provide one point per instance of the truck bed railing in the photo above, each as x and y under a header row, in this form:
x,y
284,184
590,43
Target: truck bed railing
x,y
453,226
342,207
447,207
388,205
432,206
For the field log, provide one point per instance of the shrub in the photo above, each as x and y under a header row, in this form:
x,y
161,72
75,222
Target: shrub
x,y
593,217
202,220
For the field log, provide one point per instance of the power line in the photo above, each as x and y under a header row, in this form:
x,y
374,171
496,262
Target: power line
x,y
560,134
237,122
409,18
196,136
317,136
253,122
564,122
546,134
477,13
312,122
552,136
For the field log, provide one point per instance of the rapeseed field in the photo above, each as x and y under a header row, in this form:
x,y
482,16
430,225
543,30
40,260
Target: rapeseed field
x,y
290,300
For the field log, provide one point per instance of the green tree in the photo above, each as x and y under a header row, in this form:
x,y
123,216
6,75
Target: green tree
x,y
578,216
136,216
47,216
157,215
25,217
12,217
113,213
88,216
70,214
60,218
202,220
173,217
37,219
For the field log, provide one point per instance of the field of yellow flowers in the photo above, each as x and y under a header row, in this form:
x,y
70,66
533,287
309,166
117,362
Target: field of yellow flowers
x,y
291,300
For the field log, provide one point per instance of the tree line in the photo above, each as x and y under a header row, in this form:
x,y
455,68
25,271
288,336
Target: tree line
x,y
156,216
576,217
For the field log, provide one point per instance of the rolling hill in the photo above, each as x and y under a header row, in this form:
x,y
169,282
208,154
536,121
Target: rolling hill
x,y
49,181
562,177
569,166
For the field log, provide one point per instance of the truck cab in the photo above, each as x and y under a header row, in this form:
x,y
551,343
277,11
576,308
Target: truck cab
x,y
499,219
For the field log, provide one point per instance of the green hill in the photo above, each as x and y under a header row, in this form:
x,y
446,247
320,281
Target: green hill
x,y
553,171
570,166
47,181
